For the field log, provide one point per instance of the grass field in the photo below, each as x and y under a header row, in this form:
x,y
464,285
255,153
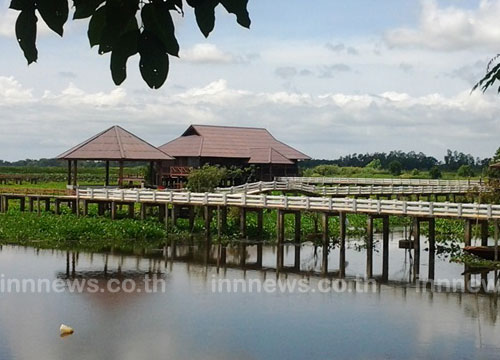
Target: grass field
x,y
56,177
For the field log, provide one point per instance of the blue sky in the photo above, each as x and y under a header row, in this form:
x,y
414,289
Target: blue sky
x,y
331,78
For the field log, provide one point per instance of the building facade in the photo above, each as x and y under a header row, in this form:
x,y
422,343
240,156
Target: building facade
x,y
229,146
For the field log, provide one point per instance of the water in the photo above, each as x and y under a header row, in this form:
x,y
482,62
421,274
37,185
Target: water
x,y
191,321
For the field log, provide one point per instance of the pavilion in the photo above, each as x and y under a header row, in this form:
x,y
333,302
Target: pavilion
x,y
113,144
232,146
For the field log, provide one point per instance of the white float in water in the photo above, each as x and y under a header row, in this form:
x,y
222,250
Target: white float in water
x,y
65,330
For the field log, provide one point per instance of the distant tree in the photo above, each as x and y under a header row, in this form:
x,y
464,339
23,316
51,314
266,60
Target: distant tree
x,y
115,28
395,168
435,173
465,171
205,179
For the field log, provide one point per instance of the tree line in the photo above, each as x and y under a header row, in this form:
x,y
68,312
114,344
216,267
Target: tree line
x,y
452,161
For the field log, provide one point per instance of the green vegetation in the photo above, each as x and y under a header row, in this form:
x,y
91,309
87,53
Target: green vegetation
x,y
435,173
55,177
370,172
395,168
97,232
67,232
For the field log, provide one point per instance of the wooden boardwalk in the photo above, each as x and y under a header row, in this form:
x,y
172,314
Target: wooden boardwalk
x,y
171,205
343,191
298,203
381,181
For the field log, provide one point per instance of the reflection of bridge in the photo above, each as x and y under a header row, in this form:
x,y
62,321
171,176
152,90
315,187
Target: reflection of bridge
x,y
243,255
342,191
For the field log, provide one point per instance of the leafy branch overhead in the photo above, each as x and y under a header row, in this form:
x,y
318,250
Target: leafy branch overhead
x,y
124,28
491,76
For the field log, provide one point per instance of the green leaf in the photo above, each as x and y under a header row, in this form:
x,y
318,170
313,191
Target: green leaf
x,y
119,14
239,8
154,60
157,20
126,47
22,4
96,26
26,34
85,8
175,5
204,10
54,13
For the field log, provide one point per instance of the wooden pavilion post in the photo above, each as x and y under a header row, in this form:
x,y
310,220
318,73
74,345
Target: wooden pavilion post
x,y
107,173
152,173
75,173
69,172
120,174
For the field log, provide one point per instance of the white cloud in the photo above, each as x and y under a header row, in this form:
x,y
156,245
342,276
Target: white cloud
x,y
452,28
12,93
73,96
324,126
208,54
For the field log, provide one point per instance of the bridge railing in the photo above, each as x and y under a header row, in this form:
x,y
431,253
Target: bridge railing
x,y
351,190
364,206
377,181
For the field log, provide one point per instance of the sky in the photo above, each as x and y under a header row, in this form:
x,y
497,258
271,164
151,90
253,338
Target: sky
x,y
327,77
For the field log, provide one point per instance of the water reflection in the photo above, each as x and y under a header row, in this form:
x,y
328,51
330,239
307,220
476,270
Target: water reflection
x,y
189,320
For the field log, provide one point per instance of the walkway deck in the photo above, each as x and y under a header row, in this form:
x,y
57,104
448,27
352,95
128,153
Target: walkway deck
x,y
297,203
262,187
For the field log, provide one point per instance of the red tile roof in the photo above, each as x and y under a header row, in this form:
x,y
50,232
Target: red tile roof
x,y
230,142
114,143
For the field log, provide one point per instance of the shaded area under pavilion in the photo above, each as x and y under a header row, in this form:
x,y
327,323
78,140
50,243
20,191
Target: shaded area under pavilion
x,y
114,144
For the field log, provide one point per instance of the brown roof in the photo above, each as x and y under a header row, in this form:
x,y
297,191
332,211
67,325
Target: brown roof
x,y
267,156
228,142
114,143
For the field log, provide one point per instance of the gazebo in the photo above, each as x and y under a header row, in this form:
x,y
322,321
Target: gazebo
x,y
113,144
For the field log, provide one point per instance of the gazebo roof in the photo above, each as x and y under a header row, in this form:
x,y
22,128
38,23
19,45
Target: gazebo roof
x,y
115,144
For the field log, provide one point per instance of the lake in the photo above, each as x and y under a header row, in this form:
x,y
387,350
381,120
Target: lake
x,y
191,318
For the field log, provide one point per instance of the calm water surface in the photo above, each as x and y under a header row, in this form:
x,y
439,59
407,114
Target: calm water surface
x,y
191,321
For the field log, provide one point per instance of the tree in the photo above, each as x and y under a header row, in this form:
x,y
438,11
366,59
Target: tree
x,y
435,173
465,171
114,28
395,168
496,158
205,179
